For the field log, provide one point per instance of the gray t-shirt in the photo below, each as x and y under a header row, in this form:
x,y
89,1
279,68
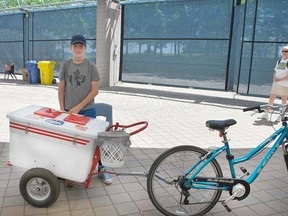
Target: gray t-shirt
x,y
78,78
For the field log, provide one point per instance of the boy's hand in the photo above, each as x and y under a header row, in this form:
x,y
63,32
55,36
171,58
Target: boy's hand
x,y
75,109
278,80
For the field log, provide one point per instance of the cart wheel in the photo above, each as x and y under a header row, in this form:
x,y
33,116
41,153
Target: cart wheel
x,y
39,187
54,81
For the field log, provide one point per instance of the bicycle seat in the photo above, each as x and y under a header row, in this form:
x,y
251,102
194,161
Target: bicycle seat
x,y
220,125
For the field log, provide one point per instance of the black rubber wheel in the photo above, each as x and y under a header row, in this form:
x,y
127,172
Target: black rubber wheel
x,y
54,81
39,187
166,190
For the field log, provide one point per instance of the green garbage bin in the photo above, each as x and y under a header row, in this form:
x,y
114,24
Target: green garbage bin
x,y
47,72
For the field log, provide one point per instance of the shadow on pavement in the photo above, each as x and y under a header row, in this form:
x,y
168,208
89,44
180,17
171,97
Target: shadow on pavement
x,y
186,96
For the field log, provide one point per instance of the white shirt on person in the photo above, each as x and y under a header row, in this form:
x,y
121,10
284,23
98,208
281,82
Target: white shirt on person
x,y
281,71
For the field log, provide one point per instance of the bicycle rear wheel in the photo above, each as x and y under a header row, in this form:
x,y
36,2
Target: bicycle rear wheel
x,y
164,187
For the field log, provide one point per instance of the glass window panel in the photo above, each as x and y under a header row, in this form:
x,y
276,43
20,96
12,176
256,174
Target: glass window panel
x,y
185,19
265,57
271,22
63,24
245,67
197,63
249,19
235,52
11,27
13,54
59,51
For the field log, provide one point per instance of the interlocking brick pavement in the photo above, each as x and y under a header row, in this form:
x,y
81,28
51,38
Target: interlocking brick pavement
x,y
176,116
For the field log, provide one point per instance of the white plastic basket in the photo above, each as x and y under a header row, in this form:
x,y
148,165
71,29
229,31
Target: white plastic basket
x,y
113,147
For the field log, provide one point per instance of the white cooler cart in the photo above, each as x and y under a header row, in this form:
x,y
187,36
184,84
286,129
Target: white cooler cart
x,y
52,145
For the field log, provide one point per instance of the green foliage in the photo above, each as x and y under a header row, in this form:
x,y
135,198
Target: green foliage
x,y
18,3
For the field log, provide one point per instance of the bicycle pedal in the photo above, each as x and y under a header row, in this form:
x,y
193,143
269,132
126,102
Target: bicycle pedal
x,y
226,206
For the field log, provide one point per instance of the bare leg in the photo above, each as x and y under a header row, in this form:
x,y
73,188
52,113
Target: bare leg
x,y
270,102
282,110
284,100
272,99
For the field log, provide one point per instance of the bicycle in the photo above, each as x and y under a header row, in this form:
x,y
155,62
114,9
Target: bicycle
x,y
188,180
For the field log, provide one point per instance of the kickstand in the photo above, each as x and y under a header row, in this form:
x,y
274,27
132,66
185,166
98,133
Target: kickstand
x,y
226,206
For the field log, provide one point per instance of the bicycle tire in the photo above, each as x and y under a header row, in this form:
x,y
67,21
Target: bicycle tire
x,y
170,165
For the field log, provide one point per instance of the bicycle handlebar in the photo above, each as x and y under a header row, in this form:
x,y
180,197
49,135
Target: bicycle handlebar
x,y
263,107
117,125
253,108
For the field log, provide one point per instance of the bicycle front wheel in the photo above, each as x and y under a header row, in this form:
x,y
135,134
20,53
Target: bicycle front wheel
x,y
164,184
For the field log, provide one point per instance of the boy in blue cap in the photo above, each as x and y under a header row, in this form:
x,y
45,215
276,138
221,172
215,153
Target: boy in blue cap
x,y
79,85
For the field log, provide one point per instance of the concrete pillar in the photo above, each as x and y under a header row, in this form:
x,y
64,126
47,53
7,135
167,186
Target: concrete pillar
x,y
108,34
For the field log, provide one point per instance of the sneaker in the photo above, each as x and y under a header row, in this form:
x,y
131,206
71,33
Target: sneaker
x,y
265,116
278,119
106,178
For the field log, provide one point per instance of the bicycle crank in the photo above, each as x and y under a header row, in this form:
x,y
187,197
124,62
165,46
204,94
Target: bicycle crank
x,y
239,189
238,192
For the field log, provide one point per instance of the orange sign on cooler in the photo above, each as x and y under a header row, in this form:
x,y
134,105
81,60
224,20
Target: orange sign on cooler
x,y
48,112
77,119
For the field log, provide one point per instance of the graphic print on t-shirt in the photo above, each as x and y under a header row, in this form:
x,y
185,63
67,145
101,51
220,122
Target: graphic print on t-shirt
x,y
281,66
77,79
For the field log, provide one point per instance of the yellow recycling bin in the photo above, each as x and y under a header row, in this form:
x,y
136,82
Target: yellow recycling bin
x,y
47,72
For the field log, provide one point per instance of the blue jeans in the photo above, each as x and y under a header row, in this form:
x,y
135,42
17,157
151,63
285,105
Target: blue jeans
x,y
89,112
92,114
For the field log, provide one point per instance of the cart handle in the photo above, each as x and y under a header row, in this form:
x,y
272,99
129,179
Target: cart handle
x,y
117,125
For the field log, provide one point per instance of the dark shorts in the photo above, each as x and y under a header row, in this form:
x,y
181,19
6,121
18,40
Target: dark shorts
x,y
89,112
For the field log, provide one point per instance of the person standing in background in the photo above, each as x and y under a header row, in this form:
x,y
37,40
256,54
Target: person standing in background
x,y
280,82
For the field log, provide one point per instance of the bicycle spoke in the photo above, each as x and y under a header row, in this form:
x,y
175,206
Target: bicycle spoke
x,y
174,199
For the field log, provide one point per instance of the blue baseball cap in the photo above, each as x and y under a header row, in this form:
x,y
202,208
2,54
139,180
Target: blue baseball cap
x,y
78,39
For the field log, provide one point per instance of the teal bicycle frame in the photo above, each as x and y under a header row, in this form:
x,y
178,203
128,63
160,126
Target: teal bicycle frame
x,y
278,135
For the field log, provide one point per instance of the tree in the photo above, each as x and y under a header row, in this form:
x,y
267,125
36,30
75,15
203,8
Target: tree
x,y
5,4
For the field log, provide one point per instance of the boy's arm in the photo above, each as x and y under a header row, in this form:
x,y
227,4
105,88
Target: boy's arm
x,y
91,95
61,88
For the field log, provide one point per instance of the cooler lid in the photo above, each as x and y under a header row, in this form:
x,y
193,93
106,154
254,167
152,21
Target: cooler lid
x,y
48,112
26,115
77,119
